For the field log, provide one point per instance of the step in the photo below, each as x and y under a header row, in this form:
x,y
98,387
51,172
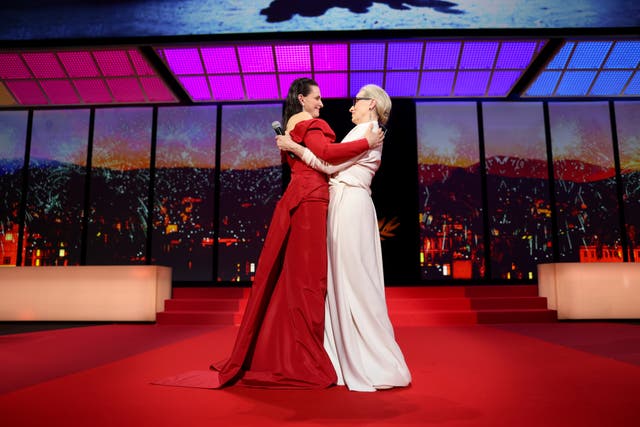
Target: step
x,y
432,317
407,305
198,318
206,304
462,303
517,316
211,292
461,317
461,291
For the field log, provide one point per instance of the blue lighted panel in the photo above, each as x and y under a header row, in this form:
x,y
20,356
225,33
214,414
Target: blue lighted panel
x,y
590,68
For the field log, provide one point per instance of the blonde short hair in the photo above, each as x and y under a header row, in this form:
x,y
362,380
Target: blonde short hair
x,y
383,101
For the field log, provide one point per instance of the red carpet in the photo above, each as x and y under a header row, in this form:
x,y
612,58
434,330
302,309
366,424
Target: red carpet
x,y
553,374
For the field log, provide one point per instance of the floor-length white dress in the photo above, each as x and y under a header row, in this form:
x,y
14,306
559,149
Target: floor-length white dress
x,y
359,336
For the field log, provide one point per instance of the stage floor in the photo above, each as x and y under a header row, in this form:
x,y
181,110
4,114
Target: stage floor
x,y
525,374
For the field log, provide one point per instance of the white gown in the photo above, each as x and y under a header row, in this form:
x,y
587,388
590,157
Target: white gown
x,y
358,337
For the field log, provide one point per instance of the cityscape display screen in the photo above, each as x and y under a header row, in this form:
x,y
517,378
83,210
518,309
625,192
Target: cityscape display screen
x,y
69,19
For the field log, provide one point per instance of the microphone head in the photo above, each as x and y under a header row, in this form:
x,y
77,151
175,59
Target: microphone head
x,y
275,125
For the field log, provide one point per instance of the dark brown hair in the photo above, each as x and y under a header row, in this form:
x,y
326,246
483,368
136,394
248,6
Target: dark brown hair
x,y
301,86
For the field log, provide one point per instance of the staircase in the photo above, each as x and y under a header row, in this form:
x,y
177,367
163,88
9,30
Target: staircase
x,y
408,305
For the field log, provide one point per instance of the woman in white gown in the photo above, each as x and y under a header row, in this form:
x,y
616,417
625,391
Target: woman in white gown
x,y
359,336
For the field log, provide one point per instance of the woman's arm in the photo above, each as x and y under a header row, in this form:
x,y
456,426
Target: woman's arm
x,y
285,143
314,136
318,164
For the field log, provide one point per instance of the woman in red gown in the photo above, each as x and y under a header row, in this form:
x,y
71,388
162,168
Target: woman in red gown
x,y
280,340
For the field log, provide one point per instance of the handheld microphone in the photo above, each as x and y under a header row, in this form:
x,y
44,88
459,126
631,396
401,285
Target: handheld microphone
x,y
277,128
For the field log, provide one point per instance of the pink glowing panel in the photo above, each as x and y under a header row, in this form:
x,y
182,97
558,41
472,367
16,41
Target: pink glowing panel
x,y
113,63
261,86
292,58
12,67
60,91
156,90
196,87
226,88
220,60
140,63
330,57
79,64
93,91
333,85
183,61
27,92
286,80
126,89
256,59
44,65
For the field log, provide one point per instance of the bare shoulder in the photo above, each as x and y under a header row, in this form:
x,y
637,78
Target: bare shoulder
x,y
297,118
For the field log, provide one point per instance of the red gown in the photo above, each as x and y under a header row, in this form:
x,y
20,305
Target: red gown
x,y
280,340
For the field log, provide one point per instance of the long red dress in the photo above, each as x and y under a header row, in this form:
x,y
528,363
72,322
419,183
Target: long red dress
x,y
280,340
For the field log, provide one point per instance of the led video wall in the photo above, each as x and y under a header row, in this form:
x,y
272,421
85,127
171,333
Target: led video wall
x,y
56,187
13,132
119,187
585,182
250,186
183,232
450,197
502,186
628,131
518,199
458,240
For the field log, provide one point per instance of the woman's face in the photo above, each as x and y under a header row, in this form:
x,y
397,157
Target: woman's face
x,y
312,103
361,109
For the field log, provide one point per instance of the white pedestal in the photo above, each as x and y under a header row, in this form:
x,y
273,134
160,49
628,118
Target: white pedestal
x,y
591,290
83,293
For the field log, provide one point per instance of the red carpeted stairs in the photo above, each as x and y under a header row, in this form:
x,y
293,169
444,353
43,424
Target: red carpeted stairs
x,y
408,305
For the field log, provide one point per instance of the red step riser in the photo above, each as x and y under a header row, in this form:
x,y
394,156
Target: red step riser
x,y
198,318
403,304
205,304
418,306
522,316
426,318
213,292
493,303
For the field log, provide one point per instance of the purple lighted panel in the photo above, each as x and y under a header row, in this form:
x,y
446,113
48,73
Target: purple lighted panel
x,y
106,76
404,68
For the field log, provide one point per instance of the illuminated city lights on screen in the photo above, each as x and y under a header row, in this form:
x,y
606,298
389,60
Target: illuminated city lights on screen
x,y
80,77
590,69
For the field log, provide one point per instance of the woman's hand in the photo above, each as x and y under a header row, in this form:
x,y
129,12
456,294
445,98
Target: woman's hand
x,y
285,143
374,137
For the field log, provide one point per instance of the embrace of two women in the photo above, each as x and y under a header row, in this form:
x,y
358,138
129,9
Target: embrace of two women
x,y
317,314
